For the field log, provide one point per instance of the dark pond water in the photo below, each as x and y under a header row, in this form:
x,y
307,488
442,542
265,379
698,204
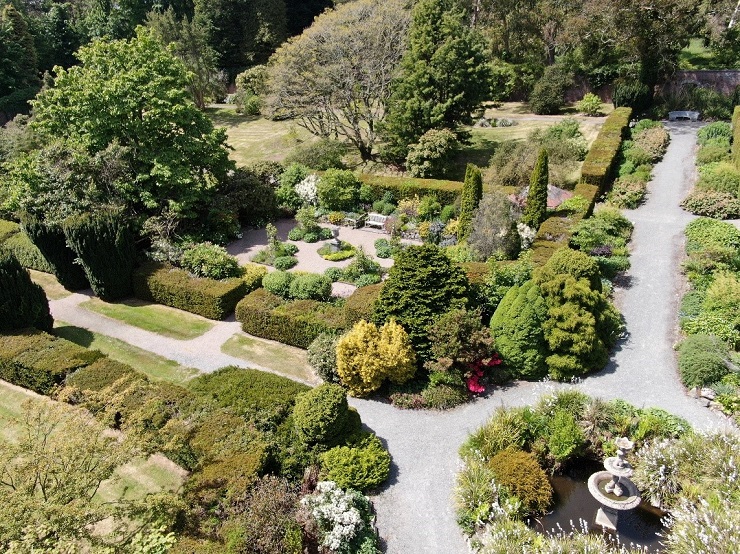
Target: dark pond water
x,y
574,504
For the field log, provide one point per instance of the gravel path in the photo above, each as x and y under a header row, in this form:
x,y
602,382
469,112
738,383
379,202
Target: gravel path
x,y
415,511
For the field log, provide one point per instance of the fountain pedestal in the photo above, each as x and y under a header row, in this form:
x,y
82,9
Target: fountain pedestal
x,y
335,244
613,487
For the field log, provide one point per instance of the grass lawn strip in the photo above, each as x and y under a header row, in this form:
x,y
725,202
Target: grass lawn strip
x,y
286,360
168,322
52,288
152,365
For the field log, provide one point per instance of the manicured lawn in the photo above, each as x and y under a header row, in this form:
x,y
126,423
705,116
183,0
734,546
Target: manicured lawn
x,y
696,56
52,288
257,139
283,359
154,366
11,402
168,322
140,477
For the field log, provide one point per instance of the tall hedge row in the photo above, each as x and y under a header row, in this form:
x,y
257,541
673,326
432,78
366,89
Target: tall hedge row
x,y
174,287
104,243
52,243
736,136
38,361
22,302
446,192
601,160
296,323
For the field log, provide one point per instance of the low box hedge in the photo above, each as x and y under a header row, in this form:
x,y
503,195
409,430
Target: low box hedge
x,y
38,361
296,323
165,284
7,229
736,136
100,374
26,252
408,187
601,160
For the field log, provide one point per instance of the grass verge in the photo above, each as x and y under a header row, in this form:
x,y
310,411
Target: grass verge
x,y
154,366
286,360
163,320
52,288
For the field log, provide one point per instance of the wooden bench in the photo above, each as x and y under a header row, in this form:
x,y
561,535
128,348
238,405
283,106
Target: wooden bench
x,y
376,220
683,114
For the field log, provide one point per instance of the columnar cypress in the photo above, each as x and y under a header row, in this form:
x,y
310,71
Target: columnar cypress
x,y
22,302
104,243
472,193
535,211
52,243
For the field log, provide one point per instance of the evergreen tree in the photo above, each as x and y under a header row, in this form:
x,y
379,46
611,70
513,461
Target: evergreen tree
x,y
19,80
104,243
22,302
535,212
422,285
472,192
444,75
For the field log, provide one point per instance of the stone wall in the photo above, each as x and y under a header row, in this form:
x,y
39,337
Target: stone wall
x,y
723,81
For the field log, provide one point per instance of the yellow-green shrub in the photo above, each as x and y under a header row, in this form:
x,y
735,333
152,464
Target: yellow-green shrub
x,y
520,473
367,356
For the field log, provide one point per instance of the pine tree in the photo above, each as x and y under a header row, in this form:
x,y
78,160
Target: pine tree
x,y
22,302
472,192
535,212
18,63
444,75
104,242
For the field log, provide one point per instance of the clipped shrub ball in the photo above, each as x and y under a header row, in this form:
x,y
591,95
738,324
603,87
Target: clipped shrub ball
x,y
278,282
701,360
322,355
211,261
310,286
361,467
285,262
296,233
321,416
520,473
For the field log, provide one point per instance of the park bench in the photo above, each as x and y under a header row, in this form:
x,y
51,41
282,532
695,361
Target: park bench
x,y
376,220
683,114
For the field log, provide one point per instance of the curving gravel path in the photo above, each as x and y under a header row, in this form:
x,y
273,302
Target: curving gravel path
x,y
415,510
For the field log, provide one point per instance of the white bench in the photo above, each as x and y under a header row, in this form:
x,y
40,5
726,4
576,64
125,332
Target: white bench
x,y
690,115
376,220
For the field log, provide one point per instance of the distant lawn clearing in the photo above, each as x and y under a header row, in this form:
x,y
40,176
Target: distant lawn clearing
x,y
136,479
11,409
52,288
280,358
154,366
168,322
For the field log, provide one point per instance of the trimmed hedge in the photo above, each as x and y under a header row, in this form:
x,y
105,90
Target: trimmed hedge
x,y
296,323
446,192
26,252
7,229
100,374
601,159
736,137
38,361
361,303
164,284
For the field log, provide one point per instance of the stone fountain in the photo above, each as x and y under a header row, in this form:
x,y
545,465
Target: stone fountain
x,y
613,487
335,244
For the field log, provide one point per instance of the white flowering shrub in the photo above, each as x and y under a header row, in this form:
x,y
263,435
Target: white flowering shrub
x,y
704,528
526,234
343,518
657,472
306,189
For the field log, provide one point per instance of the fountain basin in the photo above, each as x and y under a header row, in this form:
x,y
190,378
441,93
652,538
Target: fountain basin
x,y
628,501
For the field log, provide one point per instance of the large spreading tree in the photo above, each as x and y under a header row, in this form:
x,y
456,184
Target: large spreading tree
x,y
444,75
336,77
129,97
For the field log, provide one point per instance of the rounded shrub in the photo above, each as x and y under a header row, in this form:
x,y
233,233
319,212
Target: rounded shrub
x,y
716,130
520,473
324,233
322,355
361,467
287,249
430,156
333,273
321,415
296,233
311,237
548,94
278,282
285,262
701,360
338,189
310,286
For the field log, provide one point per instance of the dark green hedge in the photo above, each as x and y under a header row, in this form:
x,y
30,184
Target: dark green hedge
x,y
99,374
22,302
297,323
38,361
736,136
361,303
174,287
51,244
26,252
446,192
601,160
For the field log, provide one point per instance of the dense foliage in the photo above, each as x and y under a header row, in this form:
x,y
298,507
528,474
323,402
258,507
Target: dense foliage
x,y
22,302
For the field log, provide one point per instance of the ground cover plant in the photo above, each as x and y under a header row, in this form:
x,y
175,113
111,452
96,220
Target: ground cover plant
x,y
708,357
717,191
566,427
